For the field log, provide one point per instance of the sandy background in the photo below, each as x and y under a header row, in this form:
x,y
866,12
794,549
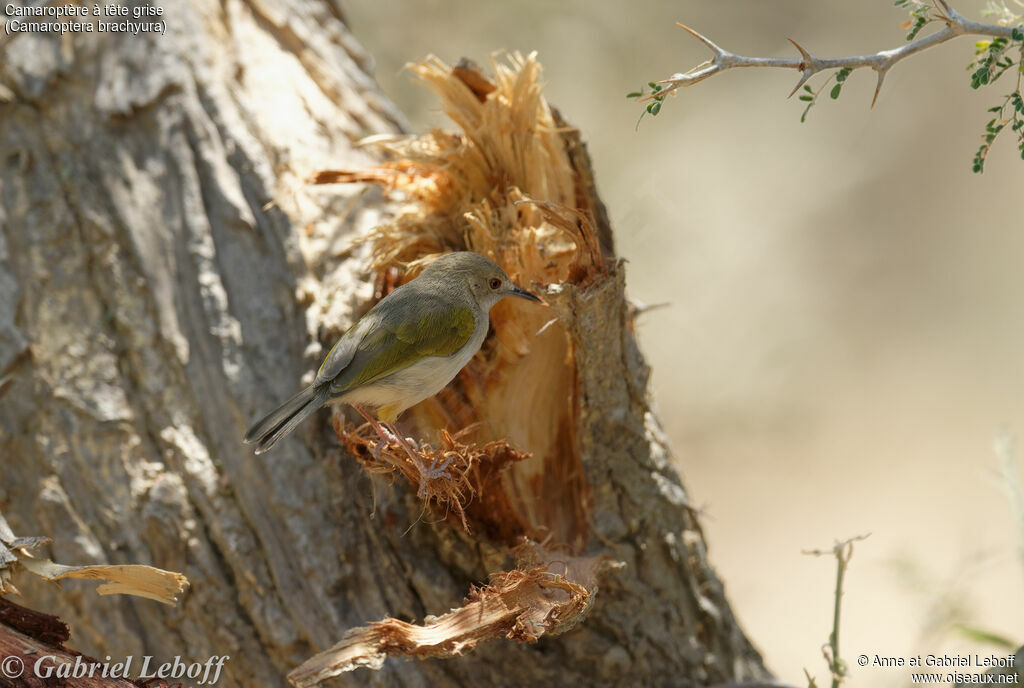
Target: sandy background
x,y
845,329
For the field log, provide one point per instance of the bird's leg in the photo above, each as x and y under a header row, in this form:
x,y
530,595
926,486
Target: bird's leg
x,y
427,473
381,432
385,431
389,433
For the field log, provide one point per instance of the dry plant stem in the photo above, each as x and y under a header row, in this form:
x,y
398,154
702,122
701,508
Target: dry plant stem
x,y
809,65
843,552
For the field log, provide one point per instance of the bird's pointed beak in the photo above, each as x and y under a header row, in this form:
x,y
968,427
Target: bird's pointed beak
x,y
523,294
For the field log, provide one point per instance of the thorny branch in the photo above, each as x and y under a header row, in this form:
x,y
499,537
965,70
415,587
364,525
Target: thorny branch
x,y
808,64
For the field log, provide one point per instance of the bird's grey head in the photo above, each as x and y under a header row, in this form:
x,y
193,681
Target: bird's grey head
x,y
486,281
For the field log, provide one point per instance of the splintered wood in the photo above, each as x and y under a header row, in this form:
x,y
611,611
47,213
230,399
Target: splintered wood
x,y
472,489
515,185
524,604
141,581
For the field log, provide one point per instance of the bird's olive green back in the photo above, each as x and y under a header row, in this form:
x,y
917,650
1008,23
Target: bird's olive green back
x,y
402,336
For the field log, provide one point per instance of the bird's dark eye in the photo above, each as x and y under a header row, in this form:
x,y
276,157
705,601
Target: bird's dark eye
x,y
494,283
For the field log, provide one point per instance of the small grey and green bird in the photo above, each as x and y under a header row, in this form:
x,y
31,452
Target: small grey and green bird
x,y
406,348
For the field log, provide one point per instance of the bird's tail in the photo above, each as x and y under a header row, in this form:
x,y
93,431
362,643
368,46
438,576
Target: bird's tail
x,y
281,421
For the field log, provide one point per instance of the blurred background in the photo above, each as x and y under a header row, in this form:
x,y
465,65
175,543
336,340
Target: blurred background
x,y
844,331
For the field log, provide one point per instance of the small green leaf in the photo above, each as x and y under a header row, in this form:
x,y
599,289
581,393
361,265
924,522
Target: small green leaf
x,y
634,94
835,91
807,98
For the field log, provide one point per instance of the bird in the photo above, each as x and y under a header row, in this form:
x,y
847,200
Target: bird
x,y
405,349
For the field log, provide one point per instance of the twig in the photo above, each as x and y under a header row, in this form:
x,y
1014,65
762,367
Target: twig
x,y
809,65
842,551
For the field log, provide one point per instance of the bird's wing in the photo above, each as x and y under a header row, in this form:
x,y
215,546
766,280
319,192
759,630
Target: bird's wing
x,y
342,352
396,341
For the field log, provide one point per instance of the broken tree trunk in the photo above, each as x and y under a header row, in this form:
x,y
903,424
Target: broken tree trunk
x,y
167,275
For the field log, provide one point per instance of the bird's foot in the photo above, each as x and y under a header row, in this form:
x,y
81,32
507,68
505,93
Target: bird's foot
x,y
435,471
389,433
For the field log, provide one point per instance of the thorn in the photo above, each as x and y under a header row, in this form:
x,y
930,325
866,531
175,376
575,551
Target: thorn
x,y
949,15
807,57
803,80
878,87
703,39
806,66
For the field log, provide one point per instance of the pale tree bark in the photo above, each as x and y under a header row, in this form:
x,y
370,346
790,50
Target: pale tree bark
x,y
166,276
